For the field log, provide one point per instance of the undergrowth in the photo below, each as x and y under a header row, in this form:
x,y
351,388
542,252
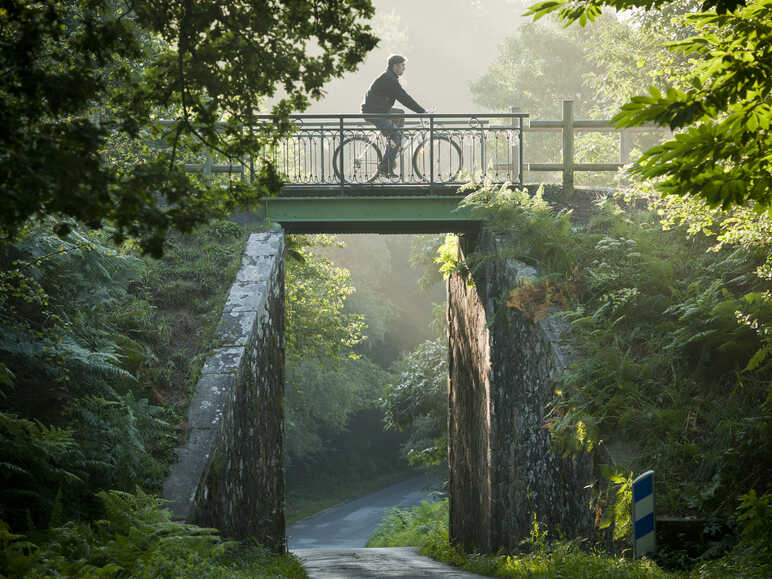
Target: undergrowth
x,y
99,349
426,526
671,332
135,537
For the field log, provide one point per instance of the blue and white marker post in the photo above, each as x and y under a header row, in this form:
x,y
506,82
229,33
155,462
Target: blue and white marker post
x,y
645,541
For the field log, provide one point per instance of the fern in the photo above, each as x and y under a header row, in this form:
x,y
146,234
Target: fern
x,y
34,459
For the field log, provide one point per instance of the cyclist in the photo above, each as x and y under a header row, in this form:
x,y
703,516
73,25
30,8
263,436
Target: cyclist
x,y
379,99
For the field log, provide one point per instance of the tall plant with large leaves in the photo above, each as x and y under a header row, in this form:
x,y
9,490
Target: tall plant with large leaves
x,y
721,152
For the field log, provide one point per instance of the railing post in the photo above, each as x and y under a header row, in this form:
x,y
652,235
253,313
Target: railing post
x,y
340,148
206,169
251,160
431,151
321,151
568,149
521,173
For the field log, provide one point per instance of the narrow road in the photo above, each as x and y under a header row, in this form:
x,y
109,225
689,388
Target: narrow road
x,y
351,524
331,543
393,562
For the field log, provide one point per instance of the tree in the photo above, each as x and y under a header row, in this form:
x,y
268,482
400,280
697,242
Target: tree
x,y
317,326
534,69
80,75
722,152
418,401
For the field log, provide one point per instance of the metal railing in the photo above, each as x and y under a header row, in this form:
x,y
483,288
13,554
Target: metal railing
x,y
347,150
435,149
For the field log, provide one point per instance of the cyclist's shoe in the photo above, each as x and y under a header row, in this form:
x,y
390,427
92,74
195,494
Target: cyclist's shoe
x,y
386,174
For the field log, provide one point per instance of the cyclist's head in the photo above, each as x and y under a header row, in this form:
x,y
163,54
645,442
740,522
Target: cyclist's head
x,y
395,59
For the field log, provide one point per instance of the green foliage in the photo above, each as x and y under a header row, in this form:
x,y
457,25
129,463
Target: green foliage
x,y
322,396
136,538
418,402
544,238
426,526
326,382
619,506
35,461
662,354
317,326
598,67
533,70
62,303
118,435
668,327
88,335
722,154
182,296
410,527
423,253
448,256
752,556
84,81
334,439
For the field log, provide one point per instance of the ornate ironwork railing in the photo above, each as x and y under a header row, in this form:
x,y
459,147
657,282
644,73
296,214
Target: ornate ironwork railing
x,y
436,149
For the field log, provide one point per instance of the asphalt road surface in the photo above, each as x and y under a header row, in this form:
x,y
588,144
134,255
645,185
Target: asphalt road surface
x,y
331,543
391,563
351,524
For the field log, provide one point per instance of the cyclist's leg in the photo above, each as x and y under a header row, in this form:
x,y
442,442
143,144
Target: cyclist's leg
x,y
386,126
394,138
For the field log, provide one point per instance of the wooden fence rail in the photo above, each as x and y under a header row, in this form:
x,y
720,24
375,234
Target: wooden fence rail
x,y
568,126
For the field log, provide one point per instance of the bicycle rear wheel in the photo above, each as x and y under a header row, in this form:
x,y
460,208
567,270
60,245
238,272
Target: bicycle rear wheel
x,y
445,163
357,160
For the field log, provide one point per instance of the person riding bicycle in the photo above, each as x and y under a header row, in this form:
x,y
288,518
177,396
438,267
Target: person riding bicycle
x,y
379,99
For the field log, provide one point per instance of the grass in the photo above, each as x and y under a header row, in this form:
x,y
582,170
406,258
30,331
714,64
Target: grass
x,y
426,526
187,290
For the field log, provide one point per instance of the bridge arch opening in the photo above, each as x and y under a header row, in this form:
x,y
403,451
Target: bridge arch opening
x,y
358,454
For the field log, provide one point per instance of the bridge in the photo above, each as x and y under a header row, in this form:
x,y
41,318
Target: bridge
x,y
502,471
330,166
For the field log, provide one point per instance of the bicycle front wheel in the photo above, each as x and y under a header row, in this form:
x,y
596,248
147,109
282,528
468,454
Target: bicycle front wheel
x,y
441,163
357,160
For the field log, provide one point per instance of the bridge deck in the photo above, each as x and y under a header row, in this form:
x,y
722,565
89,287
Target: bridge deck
x,y
376,208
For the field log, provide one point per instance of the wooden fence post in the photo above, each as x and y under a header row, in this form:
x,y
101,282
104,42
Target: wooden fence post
x,y
514,152
568,149
625,146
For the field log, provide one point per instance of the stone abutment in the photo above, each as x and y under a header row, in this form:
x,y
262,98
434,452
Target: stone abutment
x,y
503,362
229,472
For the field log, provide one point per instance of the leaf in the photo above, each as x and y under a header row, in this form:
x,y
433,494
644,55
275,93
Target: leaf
x,y
757,358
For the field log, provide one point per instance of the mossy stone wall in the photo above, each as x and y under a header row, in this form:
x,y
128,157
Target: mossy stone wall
x,y
229,472
502,369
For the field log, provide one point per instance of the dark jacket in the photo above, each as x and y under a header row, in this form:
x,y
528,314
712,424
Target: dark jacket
x,y
384,91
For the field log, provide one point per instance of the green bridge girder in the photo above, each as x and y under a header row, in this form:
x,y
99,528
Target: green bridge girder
x,y
372,209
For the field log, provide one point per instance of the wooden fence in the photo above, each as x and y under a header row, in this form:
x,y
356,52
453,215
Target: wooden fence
x,y
568,126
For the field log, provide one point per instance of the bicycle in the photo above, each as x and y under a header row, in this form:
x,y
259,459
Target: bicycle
x,y
357,158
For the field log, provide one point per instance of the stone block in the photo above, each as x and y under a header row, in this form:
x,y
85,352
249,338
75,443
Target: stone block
x,y
181,484
206,407
235,327
269,243
224,361
246,297
256,269
224,478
